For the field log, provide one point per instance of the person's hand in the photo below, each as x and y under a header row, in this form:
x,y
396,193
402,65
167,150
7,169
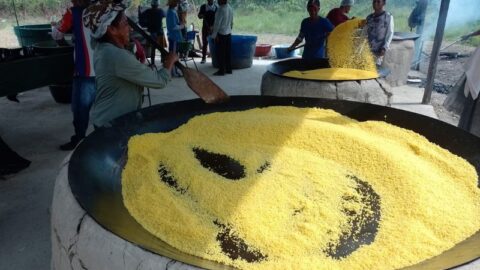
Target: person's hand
x,y
291,48
170,61
362,23
182,26
382,52
53,20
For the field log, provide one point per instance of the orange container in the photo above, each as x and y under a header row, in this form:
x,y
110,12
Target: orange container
x,y
262,49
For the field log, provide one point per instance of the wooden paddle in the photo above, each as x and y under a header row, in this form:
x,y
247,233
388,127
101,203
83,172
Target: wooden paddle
x,y
200,83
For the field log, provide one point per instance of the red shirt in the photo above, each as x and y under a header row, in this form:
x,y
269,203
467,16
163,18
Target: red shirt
x,y
336,16
66,24
139,51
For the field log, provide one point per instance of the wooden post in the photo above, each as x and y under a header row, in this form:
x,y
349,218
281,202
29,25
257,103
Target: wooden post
x,y
432,68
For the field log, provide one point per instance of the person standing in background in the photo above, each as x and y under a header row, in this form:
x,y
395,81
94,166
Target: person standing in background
x,y
83,88
207,13
222,34
417,20
182,10
174,28
380,30
153,21
339,15
314,30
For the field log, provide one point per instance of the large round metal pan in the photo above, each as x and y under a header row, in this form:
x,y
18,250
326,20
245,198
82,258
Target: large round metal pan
x,y
96,165
280,67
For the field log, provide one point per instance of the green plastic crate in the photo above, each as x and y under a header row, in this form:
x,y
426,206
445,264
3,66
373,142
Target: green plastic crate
x,y
28,35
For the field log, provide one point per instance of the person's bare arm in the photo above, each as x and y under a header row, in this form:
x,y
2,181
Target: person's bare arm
x,y
294,44
297,41
170,61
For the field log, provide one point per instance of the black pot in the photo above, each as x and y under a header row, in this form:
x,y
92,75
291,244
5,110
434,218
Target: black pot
x,y
2,54
61,93
28,51
9,54
96,165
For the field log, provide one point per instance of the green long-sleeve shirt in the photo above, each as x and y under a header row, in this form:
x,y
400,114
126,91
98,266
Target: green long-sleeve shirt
x,y
120,80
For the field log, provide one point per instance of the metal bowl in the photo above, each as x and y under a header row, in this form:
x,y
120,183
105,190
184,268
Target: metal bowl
x,y
96,165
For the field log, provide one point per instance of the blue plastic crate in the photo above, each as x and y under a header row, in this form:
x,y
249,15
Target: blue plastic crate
x,y
191,35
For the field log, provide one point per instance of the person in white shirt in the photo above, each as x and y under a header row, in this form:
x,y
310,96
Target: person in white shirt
x,y
222,34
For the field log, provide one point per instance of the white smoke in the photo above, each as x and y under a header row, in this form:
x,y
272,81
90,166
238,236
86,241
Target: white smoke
x,y
461,13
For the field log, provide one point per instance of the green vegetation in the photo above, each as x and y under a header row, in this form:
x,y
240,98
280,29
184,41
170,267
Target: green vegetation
x,y
32,8
284,17
257,16
456,32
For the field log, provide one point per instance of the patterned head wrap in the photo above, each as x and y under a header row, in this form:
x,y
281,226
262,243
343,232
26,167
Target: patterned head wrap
x,y
100,15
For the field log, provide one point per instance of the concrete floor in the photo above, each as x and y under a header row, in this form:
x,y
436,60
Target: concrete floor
x,y
37,125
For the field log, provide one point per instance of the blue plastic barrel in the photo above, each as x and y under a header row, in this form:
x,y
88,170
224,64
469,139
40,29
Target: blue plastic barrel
x,y
243,49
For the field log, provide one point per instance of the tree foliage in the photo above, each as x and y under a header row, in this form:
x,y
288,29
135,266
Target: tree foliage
x,y
46,7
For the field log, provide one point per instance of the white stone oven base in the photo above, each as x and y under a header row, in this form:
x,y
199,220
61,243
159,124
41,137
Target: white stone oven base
x,y
375,91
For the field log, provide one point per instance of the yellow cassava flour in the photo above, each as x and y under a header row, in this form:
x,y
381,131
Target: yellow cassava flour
x,y
349,56
348,47
332,74
307,188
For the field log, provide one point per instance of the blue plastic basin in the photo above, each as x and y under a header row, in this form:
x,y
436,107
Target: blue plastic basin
x,y
243,49
282,52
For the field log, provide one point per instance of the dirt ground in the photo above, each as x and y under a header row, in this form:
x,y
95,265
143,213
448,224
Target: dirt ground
x,y
448,73
448,70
